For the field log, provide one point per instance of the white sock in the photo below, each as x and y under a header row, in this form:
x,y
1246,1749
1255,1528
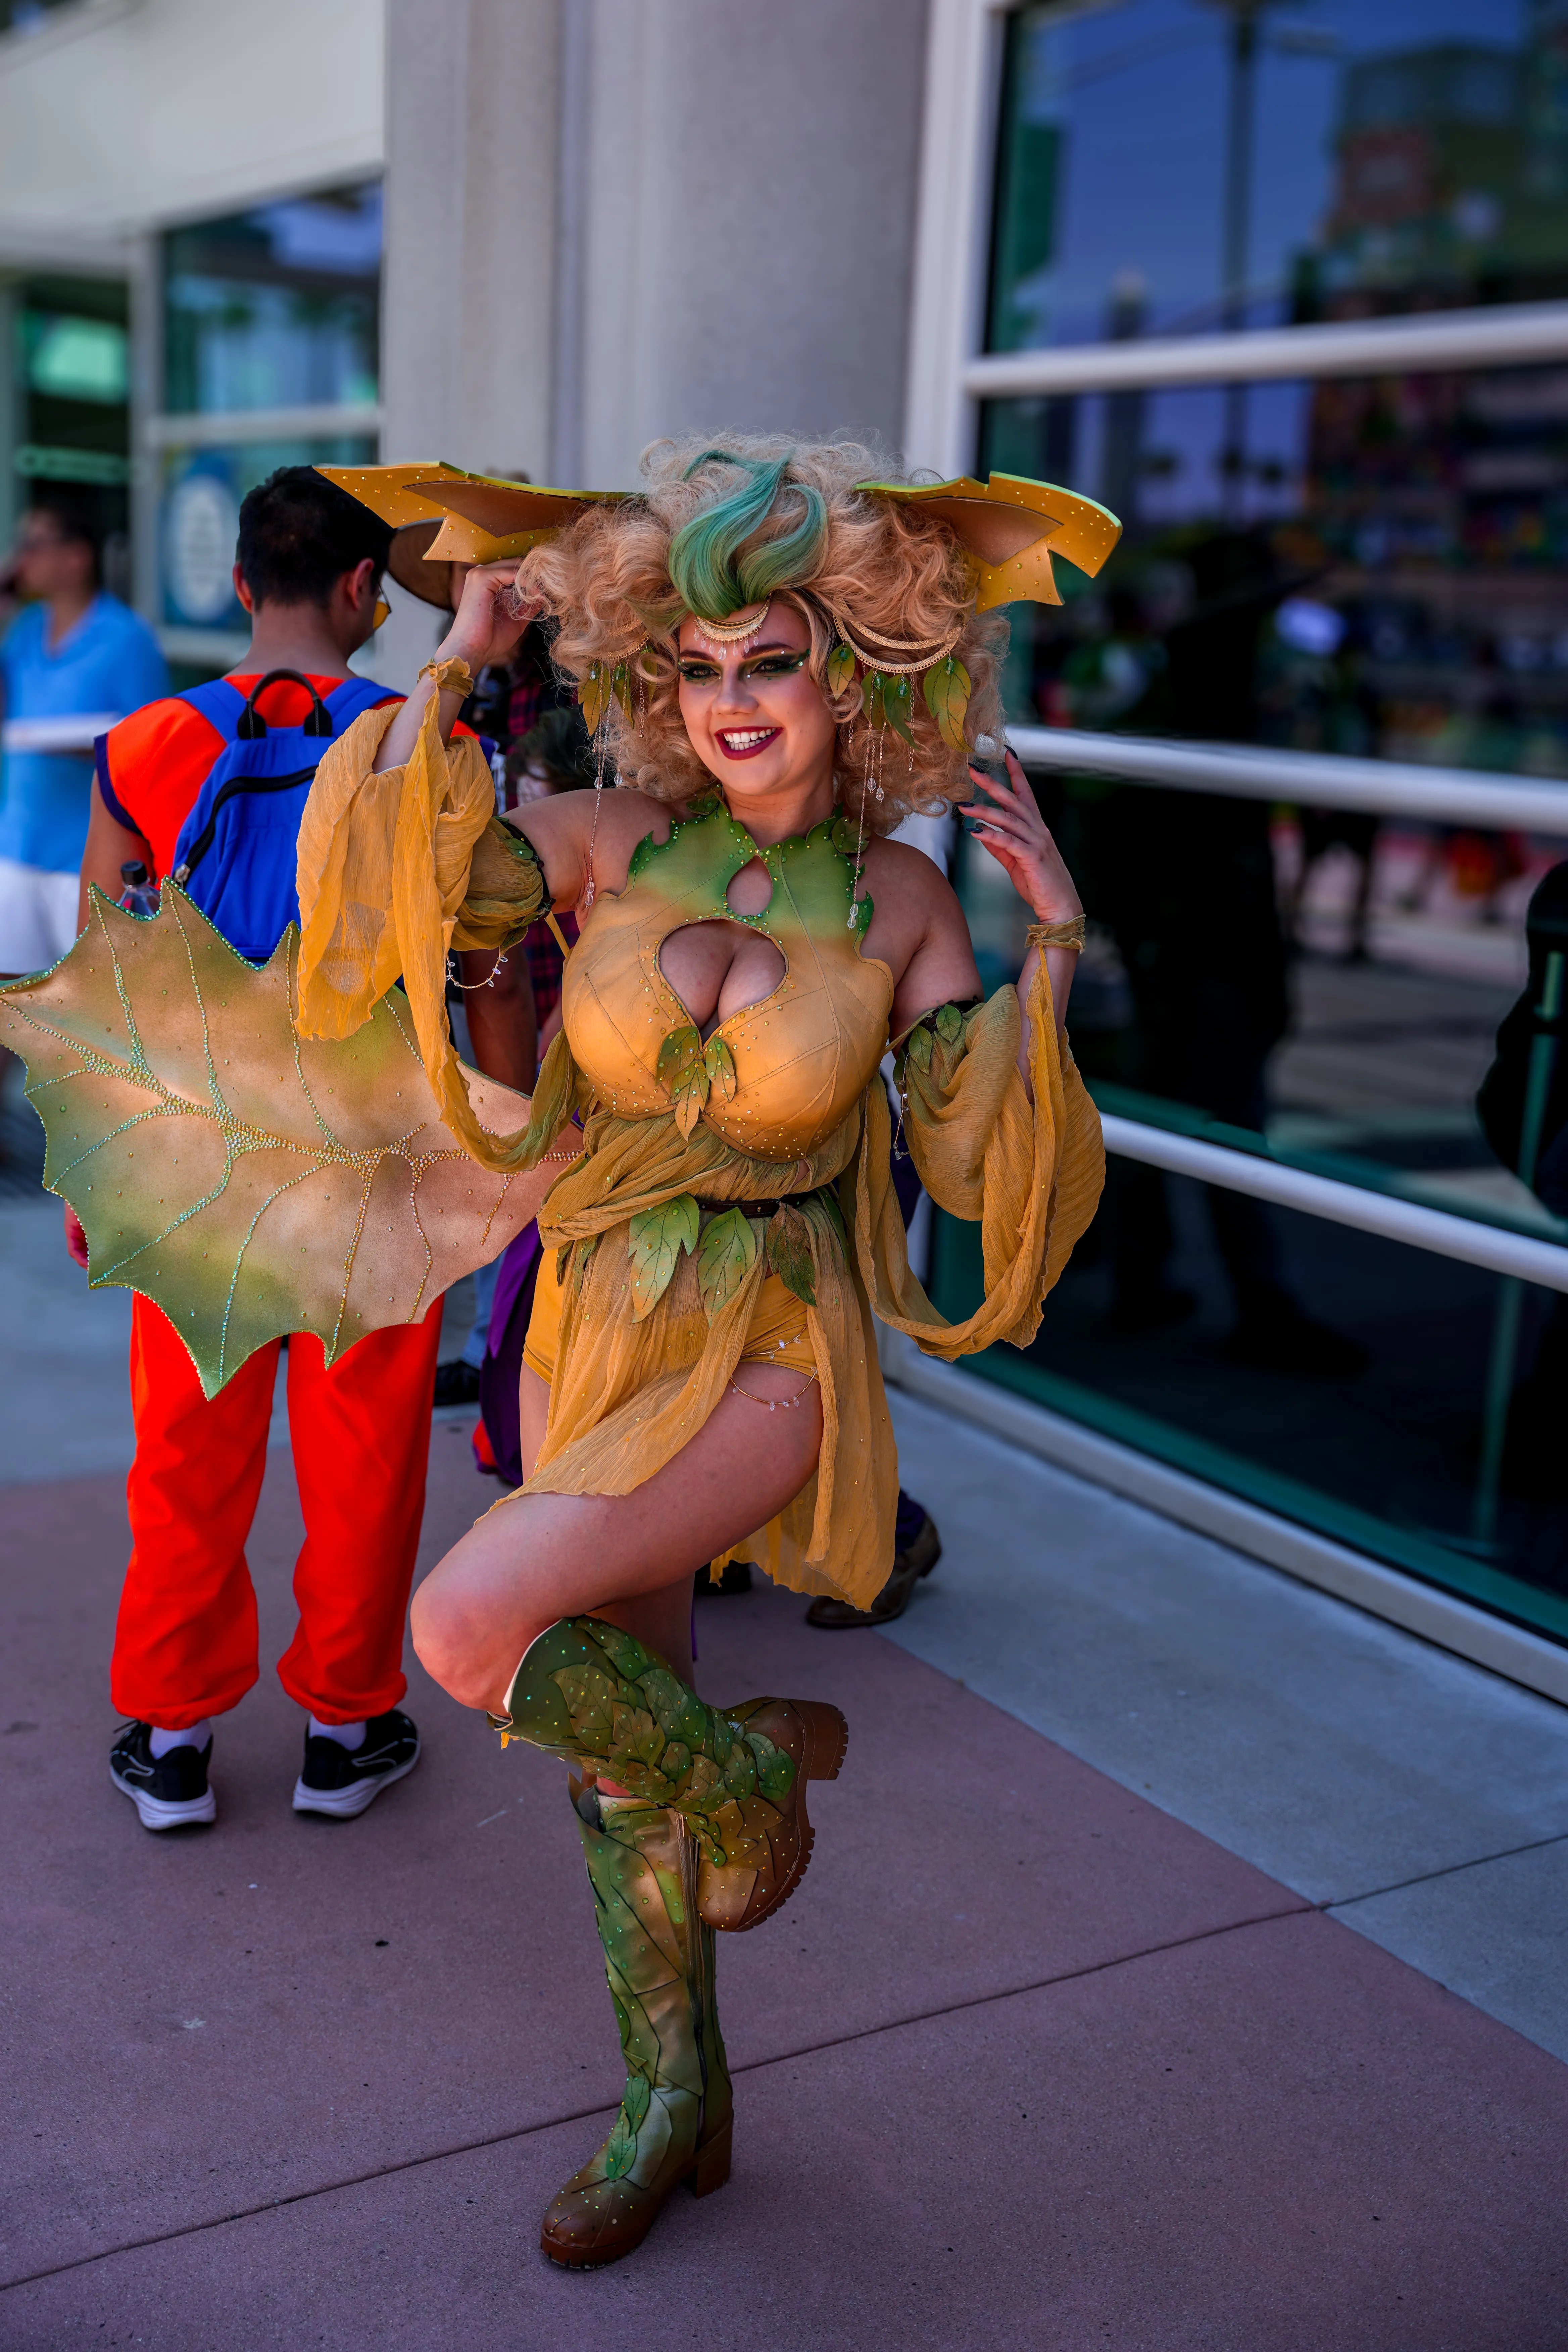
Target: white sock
x,y
197,1736
347,1735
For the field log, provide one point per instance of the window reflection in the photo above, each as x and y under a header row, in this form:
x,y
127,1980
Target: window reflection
x,y
1376,567
1384,558
1187,166
275,307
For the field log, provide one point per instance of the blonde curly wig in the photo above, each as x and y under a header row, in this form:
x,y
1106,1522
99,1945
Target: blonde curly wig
x,y
736,517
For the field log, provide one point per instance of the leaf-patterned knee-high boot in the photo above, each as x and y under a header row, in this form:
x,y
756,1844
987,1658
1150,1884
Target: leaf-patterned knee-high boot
x,y
674,2123
604,1703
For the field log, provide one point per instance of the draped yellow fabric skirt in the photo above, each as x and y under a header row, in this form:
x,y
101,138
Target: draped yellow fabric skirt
x,y
776,1335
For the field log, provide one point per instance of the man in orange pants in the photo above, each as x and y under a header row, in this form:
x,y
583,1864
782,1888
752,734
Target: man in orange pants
x,y
310,561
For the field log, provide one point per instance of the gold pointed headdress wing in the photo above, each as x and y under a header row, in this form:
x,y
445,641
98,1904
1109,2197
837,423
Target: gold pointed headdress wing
x,y
1011,527
441,516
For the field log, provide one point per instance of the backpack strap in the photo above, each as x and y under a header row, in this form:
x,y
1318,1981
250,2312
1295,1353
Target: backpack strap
x,y
354,698
219,703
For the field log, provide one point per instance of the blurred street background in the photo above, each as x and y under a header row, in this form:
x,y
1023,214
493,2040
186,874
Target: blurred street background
x,y
1183,1961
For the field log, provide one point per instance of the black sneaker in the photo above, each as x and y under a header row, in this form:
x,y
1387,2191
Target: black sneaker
x,y
456,1383
342,1781
169,1791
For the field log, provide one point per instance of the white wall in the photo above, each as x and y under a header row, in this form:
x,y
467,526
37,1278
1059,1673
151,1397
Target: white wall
x,y
121,114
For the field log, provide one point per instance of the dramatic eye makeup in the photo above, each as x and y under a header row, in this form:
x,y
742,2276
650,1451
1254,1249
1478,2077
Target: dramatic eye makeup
x,y
699,671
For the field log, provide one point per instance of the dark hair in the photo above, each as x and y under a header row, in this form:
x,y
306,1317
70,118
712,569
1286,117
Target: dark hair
x,y
559,744
76,518
299,533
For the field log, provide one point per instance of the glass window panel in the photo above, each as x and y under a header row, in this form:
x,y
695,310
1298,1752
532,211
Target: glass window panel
x,y
1376,567
1391,1457
1185,166
199,518
1373,565
276,308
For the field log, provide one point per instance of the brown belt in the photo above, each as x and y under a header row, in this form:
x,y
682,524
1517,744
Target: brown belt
x,y
765,1208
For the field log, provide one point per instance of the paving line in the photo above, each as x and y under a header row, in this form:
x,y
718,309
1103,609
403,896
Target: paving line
x,y
1300,1909
1449,1870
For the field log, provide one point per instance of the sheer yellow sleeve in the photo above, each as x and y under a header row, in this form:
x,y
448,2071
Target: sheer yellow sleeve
x,y
396,869
1028,1174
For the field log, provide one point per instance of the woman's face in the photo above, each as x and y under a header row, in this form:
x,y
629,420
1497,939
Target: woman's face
x,y
757,720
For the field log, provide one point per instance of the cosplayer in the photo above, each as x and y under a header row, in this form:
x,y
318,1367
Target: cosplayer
x,y
784,656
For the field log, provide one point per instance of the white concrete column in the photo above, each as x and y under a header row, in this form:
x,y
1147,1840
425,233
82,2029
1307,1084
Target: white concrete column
x,y
750,194
469,299
468,280
613,219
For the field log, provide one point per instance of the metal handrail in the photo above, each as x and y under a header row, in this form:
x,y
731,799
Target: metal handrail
x,y
1510,334
1312,779
1493,1247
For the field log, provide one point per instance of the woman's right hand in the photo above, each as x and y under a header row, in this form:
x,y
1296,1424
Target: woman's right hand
x,y
489,619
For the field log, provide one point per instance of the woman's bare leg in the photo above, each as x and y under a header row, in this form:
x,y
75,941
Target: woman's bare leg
x,y
626,1557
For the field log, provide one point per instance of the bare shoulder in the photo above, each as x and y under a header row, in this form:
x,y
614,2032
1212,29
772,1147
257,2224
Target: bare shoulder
x,y
916,926
563,826
902,878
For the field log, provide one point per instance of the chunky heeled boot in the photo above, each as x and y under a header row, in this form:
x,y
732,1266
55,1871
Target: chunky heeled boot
x,y
675,2118
596,1697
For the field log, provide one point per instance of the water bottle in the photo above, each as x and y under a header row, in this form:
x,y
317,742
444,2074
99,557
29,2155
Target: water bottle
x,y
140,895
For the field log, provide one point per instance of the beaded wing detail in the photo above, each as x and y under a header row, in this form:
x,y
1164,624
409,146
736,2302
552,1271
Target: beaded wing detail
x,y
249,1181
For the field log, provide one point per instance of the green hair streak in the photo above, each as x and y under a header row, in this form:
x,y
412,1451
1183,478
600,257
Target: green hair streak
x,y
708,572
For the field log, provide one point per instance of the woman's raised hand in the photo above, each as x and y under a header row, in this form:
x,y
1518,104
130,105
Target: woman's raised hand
x,y
1008,823
490,617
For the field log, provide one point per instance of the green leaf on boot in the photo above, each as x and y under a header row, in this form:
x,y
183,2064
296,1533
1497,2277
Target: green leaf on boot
x,y
624,1653
741,1771
775,1771
636,2100
589,1694
667,1695
620,2149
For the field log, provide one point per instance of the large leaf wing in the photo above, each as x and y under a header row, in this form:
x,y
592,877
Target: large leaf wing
x,y
248,1181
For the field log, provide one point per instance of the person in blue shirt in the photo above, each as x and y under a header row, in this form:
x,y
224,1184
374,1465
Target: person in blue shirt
x,y
73,662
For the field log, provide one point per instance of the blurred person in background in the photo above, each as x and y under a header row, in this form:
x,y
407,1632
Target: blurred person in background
x,y
1523,1106
513,1006
1184,883
72,663
310,561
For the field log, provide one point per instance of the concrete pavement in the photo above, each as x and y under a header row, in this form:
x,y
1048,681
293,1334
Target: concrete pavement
x,y
1063,2040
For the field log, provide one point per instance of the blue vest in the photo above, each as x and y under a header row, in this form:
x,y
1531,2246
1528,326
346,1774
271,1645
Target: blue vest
x,y
237,851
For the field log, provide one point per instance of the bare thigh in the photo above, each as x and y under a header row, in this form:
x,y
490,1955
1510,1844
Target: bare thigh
x,y
628,1558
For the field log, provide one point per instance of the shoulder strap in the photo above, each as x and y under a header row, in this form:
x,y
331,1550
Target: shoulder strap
x,y
219,703
354,698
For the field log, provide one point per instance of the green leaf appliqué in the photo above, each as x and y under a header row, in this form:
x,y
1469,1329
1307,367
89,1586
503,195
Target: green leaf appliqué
x,y
725,1256
898,703
788,1239
946,690
656,1240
